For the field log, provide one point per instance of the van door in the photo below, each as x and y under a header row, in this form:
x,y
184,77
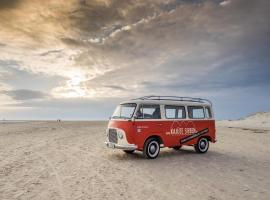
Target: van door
x,y
147,123
175,124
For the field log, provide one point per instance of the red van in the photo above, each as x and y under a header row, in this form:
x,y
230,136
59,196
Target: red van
x,y
152,122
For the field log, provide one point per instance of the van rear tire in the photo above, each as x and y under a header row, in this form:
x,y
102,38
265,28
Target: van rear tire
x,y
202,145
151,148
129,151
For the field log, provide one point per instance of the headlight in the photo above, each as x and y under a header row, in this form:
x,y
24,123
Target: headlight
x,y
120,135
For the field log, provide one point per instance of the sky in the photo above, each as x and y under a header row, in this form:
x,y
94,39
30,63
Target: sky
x,y
77,59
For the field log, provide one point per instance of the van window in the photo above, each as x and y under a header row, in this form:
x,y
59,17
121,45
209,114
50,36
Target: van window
x,y
175,112
149,112
195,112
208,113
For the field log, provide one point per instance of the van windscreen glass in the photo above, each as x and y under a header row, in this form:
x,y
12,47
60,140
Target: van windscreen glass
x,y
124,111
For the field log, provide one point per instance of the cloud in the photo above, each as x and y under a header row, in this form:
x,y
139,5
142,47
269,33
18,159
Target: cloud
x,y
114,48
7,4
24,94
51,52
66,109
115,87
225,3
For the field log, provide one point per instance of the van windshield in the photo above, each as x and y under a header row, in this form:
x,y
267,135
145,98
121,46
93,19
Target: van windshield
x,y
124,111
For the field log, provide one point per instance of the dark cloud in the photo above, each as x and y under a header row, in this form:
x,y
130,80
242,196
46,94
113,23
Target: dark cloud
x,y
23,94
72,42
51,52
7,4
115,87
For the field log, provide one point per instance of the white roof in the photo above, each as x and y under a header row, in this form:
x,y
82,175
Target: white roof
x,y
168,102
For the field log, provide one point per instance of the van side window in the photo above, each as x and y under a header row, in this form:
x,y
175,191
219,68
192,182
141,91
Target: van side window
x,y
195,112
175,112
208,113
149,112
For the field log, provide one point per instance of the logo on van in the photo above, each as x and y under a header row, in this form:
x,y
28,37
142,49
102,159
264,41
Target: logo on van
x,y
181,131
182,128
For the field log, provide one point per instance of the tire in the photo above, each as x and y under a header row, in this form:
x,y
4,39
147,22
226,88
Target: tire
x,y
177,147
151,148
202,145
129,151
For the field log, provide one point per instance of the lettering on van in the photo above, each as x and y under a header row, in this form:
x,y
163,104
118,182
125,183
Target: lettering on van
x,y
181,131
191,137
139,128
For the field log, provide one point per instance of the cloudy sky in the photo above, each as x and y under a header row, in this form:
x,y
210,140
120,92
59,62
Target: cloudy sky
x,y
77,59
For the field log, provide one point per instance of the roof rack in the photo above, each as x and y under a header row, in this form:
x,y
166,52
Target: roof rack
x,y
174,98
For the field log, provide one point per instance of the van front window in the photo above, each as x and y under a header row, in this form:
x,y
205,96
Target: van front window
x,y
124,111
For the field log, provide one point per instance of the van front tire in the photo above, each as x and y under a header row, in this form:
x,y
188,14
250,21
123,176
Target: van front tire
x,y
151,148
202,145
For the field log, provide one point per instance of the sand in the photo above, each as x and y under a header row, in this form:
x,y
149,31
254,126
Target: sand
x,y
68,160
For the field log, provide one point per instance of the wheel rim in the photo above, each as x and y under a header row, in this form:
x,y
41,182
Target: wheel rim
x,y
153,148
203,144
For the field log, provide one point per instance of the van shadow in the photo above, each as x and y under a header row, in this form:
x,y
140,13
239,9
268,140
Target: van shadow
x,y
168,153
186,158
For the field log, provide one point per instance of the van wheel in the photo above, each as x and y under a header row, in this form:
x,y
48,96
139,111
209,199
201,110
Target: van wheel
x,y
202,145
129,151
151,148
177,147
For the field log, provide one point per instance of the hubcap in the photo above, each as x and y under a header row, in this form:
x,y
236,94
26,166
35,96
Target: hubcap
x,y
153,148
203,144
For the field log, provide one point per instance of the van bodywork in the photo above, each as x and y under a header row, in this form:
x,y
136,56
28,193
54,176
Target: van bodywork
x,y
131,133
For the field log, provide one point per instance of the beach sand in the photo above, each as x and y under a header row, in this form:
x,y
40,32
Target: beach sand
x,y
68,160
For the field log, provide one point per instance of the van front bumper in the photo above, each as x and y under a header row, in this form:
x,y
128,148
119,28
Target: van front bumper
x,y
129,147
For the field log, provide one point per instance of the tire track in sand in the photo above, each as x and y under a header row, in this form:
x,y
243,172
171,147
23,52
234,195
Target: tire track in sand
x,y
57,176
151,186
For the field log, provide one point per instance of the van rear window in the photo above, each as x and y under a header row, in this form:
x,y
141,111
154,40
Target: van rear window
x,y
196,112
175,112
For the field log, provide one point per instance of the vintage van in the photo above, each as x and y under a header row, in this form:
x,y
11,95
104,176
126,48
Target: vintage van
x,y
152,122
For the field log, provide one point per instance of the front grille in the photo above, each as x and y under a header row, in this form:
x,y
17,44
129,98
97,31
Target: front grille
x,y
113,136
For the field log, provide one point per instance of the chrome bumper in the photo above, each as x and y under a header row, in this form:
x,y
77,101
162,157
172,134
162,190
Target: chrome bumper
x,y
121,146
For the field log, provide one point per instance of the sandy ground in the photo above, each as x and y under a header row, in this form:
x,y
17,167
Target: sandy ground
x,y
68,160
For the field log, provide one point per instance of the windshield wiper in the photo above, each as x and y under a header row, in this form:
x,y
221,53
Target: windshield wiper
x,y
125,117
115,117
118,117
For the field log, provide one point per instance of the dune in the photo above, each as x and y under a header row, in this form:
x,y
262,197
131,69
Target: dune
x,y
259,121
68,160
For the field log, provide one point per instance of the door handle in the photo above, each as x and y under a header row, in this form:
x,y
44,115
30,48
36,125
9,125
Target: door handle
x,y
160,124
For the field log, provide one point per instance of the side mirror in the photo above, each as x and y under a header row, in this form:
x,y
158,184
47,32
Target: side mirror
x,y
136,115
132,119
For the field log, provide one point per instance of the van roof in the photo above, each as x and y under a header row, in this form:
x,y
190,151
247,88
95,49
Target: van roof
x,y
171,100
